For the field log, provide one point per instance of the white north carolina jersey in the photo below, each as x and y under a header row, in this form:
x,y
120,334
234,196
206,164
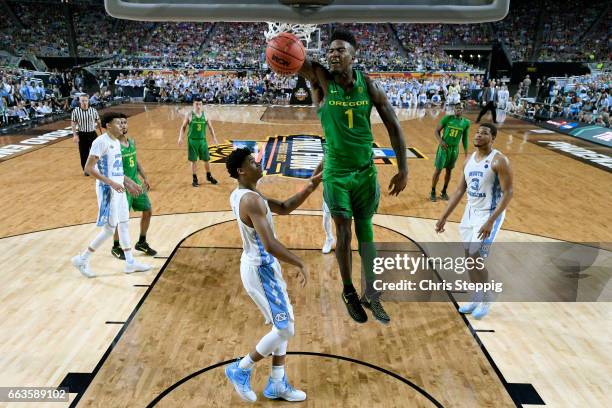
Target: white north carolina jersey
x,y
110,163
253,252
483,189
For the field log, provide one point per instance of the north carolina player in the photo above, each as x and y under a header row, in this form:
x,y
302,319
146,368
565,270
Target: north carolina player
x,y
487,178
261,275
105,164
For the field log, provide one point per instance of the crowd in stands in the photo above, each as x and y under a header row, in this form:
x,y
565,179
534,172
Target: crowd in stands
x,y
518,30
422,45
586,99
44,33
563,32
25,98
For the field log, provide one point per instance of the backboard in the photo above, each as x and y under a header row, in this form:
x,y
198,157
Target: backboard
x,y
311,11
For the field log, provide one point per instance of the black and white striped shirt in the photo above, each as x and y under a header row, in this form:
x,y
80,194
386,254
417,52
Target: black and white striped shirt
x,y
86,119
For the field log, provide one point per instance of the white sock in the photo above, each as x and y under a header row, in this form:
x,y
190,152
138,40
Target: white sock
x,y
278,372
246,363
129,258
87,254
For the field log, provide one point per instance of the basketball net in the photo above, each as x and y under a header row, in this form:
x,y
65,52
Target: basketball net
x,y
301,31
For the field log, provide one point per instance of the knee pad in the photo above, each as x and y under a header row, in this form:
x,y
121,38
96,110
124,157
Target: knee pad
x,y
287,332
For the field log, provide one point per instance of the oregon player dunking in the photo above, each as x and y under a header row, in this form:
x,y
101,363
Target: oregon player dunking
x,y
456,130
131,169
197,147
350,182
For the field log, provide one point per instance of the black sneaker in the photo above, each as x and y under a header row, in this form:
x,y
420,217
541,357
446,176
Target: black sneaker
x,y
144,247
353,307
444,196
117,252
195,183
432,197
211,179
377,308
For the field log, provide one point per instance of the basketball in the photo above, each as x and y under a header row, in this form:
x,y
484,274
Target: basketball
x,y
285,54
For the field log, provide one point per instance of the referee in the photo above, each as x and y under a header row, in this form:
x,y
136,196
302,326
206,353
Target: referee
x,y
87,119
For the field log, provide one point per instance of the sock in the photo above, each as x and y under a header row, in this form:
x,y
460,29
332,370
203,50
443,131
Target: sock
x,y
128,256
142,239
87,254
246,363
195,177
348,287
444,190
433,191
208,175
116,243
278,372
478,296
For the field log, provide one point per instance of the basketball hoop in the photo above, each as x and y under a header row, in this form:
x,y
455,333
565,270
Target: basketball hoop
x,y
301,31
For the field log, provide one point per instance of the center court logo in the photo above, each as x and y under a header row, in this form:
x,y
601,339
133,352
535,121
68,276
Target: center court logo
x,y
295,155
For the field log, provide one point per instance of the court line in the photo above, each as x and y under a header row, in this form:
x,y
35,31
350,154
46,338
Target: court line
x,y
420,390
178,246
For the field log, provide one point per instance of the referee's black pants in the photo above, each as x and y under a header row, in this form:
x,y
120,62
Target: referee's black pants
x,y
85,141
490,106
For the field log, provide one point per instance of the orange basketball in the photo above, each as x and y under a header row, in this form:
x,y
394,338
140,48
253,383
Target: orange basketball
x,y
285,54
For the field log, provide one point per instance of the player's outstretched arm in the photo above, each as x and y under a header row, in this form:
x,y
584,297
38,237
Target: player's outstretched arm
x,y
396,135
453,201
501,166
293,202
254,208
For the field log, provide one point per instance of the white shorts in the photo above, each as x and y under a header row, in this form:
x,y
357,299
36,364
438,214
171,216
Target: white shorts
x,y
471,223
112,206
266,286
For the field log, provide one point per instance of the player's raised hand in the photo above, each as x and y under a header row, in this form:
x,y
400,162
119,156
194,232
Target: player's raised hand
x,y
440,225
398,183
302,275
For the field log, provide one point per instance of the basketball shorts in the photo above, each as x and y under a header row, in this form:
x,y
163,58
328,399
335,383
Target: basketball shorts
x,y
140,202
266,286
197,149
352,194
112,206
472,221
446,159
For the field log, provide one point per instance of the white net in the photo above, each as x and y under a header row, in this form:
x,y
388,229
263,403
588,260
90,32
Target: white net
x,y
303,31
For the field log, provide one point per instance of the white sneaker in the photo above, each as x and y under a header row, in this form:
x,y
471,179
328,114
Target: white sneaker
x,y
83,266
136,267
329,242
283,390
